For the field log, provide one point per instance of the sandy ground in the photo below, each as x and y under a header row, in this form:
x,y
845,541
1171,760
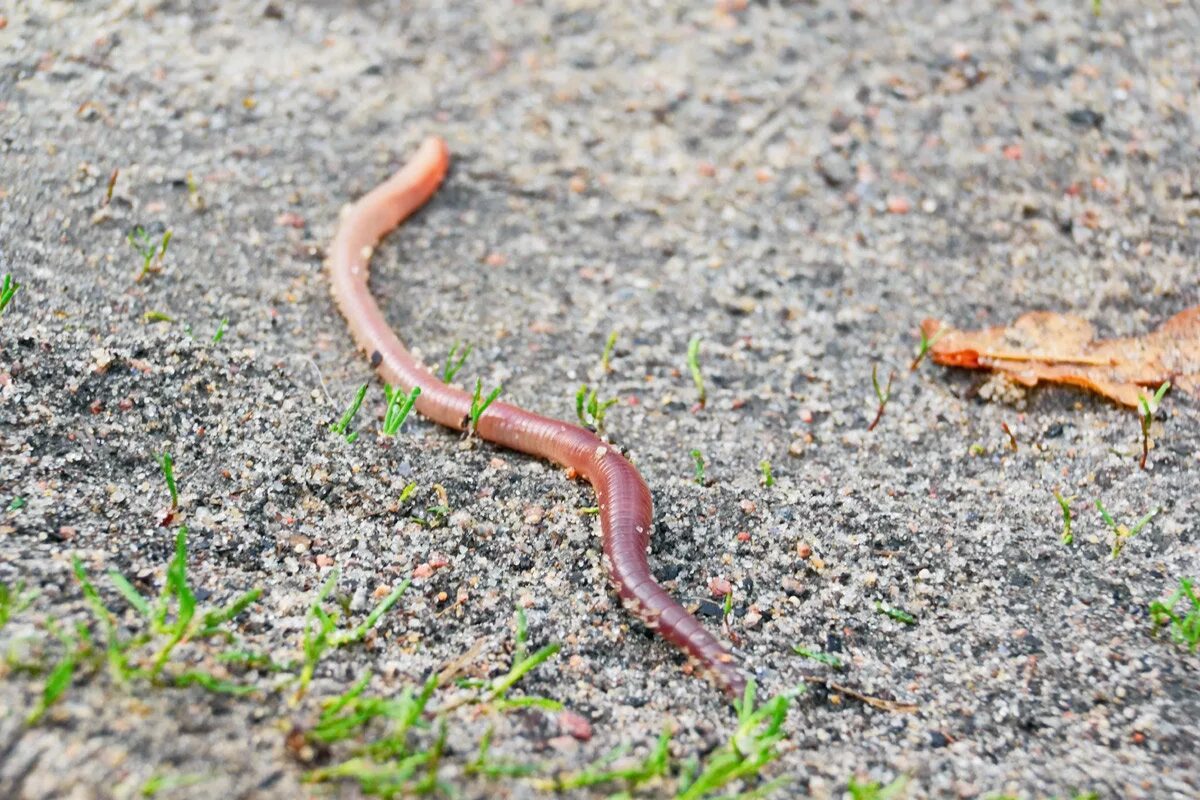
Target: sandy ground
x,y
798,183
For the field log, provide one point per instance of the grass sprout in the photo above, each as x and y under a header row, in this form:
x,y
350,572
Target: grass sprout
x,y
220,334
1149,407
898,614
881,394
693,362
398,749
172,619
167,464
13,600
321,632
923,348
1185,625
1121,533
751,747
8,288
398,407
655,765
151,251
159,783
1065,504
698,466
767,480
479,404
819,656
607,354
590,409
483,765
873,790
342,426
452,366
75,646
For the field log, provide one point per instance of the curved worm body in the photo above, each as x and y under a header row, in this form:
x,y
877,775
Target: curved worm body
x,y
622,496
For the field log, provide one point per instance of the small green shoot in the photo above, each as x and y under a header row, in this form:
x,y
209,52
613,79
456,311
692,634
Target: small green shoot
x,y
342,426
257,661
13,600
698,466
1149,408
157,316
1121,533
483,765
898,614
819,656
693,362
480,404
727,607
220,334
607,354
152,252
8,288
874,791
882,394
402,761
321,633
1065,504
451,367
923,348
171,620
398,407
753,745
212,683
16,504
435,516
195,199
767,480
1185,626
159,782
168,470
407,492
590,409
60,678
655,765
1096,7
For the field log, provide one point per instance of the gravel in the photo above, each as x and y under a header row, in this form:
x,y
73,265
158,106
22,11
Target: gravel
x,y
799,184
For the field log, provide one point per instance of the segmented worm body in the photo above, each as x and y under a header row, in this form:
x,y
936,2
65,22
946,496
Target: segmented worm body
x,y
622,496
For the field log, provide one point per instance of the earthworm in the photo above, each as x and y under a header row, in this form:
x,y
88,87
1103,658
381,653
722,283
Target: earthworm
x,y
621,494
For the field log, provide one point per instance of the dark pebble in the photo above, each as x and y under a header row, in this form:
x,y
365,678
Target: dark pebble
x,y
1085,118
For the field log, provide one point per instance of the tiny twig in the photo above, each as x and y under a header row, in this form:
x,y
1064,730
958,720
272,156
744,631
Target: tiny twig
x,y
112,184
883,395
1012,440
875,702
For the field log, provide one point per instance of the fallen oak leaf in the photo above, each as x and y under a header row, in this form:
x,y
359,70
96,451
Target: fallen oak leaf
x,y
1062,348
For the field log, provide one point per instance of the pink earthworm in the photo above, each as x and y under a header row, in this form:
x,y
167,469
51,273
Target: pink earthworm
x,y
624,501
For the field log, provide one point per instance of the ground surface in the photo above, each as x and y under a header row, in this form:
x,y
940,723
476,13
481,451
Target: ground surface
x,y
798,183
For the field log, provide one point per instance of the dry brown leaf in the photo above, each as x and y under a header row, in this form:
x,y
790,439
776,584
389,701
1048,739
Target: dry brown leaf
x,y
1044,346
